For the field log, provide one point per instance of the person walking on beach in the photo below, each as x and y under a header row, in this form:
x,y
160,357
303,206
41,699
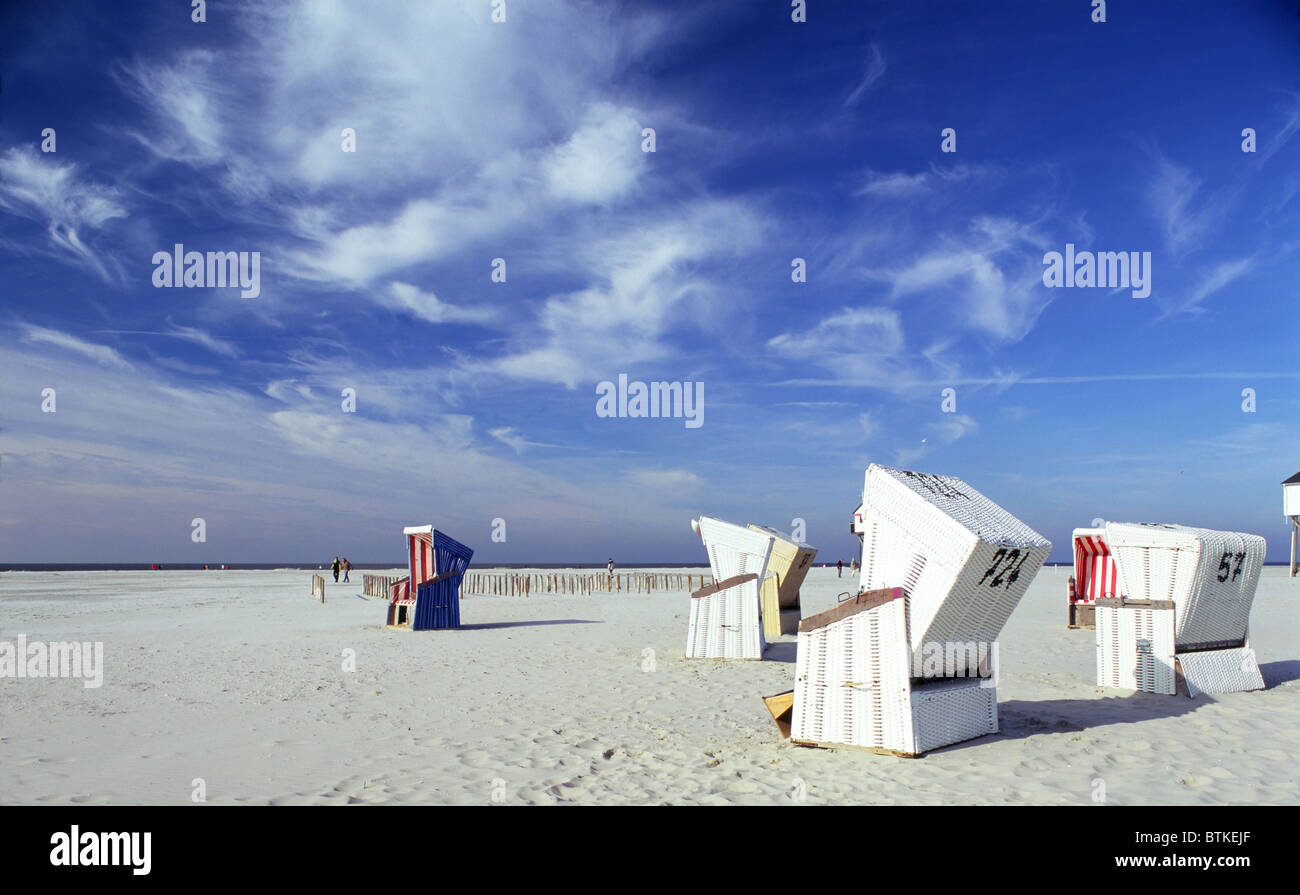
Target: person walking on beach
x,y
839,570
347,567
335,567
609,567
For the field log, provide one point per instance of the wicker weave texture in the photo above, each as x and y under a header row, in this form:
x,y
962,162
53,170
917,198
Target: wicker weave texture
x,y
851,682
1210,575
734,549
964,561
1135,648
728,624
853,686
1221,671
947,712
725,624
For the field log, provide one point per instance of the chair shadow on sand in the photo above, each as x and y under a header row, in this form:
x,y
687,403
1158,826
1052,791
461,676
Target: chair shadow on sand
x,y
484,626
1277,673
781,652
1021,718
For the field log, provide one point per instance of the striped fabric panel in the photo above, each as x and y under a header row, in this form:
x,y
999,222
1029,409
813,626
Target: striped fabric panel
x,y
1094,569
421,558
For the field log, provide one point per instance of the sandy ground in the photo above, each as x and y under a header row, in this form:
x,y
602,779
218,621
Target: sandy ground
x,y
237,679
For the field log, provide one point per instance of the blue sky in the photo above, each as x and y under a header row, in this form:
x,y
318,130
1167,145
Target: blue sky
x,y
522,140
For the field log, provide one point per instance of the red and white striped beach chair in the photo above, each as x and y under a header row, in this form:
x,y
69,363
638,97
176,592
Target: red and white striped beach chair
x,y
1094,578
401,603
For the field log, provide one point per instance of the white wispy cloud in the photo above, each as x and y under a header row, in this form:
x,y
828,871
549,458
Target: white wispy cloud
x,y
895,185
515,440
191,334
671,480
100,354
954,426
1185,214
186,98
37,186
857,345
643,280
990,276
875,70
427,306
845,332
600,161
1221,275
1282,135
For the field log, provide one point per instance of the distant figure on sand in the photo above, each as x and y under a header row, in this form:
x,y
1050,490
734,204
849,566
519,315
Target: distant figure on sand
x,y
609,567
347,567
335,567
839,570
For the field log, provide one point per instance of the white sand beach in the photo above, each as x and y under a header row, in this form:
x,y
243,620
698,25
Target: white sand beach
x,y
237,679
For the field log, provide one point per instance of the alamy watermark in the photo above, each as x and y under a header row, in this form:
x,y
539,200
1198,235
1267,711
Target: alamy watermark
x,y
637,399
214,270
57,658
954,658
77,849
1107,270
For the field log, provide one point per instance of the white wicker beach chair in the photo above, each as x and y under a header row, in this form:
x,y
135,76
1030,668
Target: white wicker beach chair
x,y
726,616
1184,610
963,561
909,664
854,686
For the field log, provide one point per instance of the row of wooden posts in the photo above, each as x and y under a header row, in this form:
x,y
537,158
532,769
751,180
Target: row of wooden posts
x,y
378,585
522,584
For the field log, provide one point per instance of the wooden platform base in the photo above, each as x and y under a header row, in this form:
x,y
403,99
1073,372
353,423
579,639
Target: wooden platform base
x,y
1082,615
875,750
400,615
781,707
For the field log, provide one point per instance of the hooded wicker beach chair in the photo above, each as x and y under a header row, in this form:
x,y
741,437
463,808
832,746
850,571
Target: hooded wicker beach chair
x,y
779,592
726,616
963,561
854,684
429,598
1094,576
909,664
1182,610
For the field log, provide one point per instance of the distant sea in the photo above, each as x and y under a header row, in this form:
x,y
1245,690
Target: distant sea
x,y
356,566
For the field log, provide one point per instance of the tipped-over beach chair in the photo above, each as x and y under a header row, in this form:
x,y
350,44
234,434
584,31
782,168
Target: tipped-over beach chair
x,y
963,561
437,564
854,684
779,591
1182,610
726,616
1094,576
909,664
